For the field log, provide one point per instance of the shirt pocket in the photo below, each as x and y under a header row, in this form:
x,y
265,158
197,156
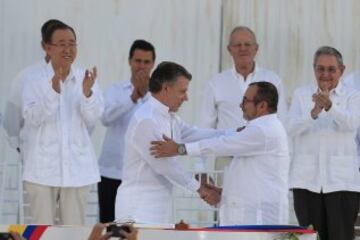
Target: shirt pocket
x,y
304,166
47,161
48,135
341,168
237,211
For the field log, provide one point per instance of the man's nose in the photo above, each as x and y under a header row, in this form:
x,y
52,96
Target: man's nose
x,y
142,65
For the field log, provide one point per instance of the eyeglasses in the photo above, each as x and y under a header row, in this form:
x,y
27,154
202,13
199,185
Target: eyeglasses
x,y
246,100
64,46
245,45
322,70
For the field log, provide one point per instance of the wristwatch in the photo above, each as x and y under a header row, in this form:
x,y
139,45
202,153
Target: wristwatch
x,y
181,149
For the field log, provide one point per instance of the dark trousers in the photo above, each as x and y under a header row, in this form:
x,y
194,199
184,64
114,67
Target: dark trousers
x,y
107,189
332,215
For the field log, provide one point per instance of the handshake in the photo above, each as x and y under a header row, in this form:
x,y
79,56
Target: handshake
x,y
208,191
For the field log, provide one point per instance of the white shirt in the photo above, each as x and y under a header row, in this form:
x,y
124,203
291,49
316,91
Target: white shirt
x,y
325,157
255,189
13,120
57,148
224,93
145,194
119,108
353,81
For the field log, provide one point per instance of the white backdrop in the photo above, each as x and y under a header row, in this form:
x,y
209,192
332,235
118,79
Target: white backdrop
x,y
184,31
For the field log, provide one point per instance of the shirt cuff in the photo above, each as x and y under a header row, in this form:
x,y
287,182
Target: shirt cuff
x,y
91,99
193,185
129,102
199,165
192,149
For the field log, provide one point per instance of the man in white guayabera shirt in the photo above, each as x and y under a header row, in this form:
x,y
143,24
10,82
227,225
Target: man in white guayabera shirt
x,y
121,100
255,189
13,120
221,98
323,121
145,194
61,104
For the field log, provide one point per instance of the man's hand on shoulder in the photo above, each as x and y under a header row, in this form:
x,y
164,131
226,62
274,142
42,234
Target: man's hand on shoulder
x,y
166,148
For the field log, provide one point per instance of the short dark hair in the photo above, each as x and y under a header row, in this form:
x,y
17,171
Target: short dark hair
x,y
53,27
166,72
143,45
267,92
45,27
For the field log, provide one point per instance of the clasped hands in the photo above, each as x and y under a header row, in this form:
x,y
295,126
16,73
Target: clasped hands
x,y
210,193
88,81
321,101
140,81
169,148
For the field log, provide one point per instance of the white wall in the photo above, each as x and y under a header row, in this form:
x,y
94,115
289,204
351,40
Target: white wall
x,y
184,31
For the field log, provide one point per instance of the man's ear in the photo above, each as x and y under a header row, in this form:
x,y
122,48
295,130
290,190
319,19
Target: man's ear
x,y
263,105
165,86
228,48
342,69
47,48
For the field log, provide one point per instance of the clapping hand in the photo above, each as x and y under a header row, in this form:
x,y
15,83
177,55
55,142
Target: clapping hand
x,y
140,81
89,80
321,101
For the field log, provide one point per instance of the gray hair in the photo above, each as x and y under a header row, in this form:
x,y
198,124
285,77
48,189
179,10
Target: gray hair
x,y
326,50
243,28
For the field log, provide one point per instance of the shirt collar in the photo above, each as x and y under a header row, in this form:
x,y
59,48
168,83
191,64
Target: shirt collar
x,y
159,106
337,91
263,118
237,75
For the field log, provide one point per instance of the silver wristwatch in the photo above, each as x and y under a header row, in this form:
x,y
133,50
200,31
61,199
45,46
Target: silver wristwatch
x,y
181,149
